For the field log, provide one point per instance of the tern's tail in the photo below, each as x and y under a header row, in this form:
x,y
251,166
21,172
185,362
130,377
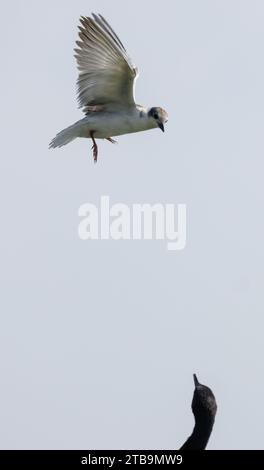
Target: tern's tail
x,y
65,136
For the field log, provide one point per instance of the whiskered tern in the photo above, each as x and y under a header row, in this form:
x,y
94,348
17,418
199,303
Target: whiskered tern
x,y
106,86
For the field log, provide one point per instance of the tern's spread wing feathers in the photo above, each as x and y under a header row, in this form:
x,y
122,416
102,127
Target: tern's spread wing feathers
x,y
106,73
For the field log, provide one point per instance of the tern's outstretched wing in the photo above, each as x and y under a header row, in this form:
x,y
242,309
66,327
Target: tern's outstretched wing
x,y
106,74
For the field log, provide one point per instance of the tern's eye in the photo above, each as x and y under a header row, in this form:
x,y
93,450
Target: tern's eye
x,y
156,116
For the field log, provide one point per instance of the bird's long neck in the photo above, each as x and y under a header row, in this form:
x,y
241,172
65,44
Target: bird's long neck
x,y
199,438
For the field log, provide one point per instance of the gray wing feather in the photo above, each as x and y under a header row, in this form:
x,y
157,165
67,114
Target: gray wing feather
x,y
106,73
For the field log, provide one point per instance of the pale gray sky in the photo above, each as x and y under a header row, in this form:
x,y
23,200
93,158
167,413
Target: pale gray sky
x,y
99,340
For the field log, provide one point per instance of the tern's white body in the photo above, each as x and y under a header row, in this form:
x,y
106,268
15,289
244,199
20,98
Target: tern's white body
x,y
111,123
106,124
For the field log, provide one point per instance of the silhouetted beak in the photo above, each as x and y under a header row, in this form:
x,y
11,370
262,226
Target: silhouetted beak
x,y
161,126
196,382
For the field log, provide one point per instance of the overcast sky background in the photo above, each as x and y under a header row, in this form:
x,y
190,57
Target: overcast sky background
x,y
99,339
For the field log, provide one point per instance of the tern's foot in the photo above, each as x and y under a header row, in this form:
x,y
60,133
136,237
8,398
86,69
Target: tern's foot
x,y
112,140
94,147
95,152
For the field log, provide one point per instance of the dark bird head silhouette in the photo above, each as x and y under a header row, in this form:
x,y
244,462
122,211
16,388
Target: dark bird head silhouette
x,y
204,409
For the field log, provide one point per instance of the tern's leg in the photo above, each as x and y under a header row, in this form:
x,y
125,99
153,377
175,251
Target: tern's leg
x,y
94,147
112,140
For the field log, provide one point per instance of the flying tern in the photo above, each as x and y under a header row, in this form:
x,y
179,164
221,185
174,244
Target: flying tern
x,y
106,86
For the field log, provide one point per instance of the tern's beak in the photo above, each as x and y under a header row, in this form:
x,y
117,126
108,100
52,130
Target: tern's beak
x,y
161,126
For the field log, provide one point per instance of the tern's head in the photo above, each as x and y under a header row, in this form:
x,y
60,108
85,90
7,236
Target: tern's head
x,y
159,115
